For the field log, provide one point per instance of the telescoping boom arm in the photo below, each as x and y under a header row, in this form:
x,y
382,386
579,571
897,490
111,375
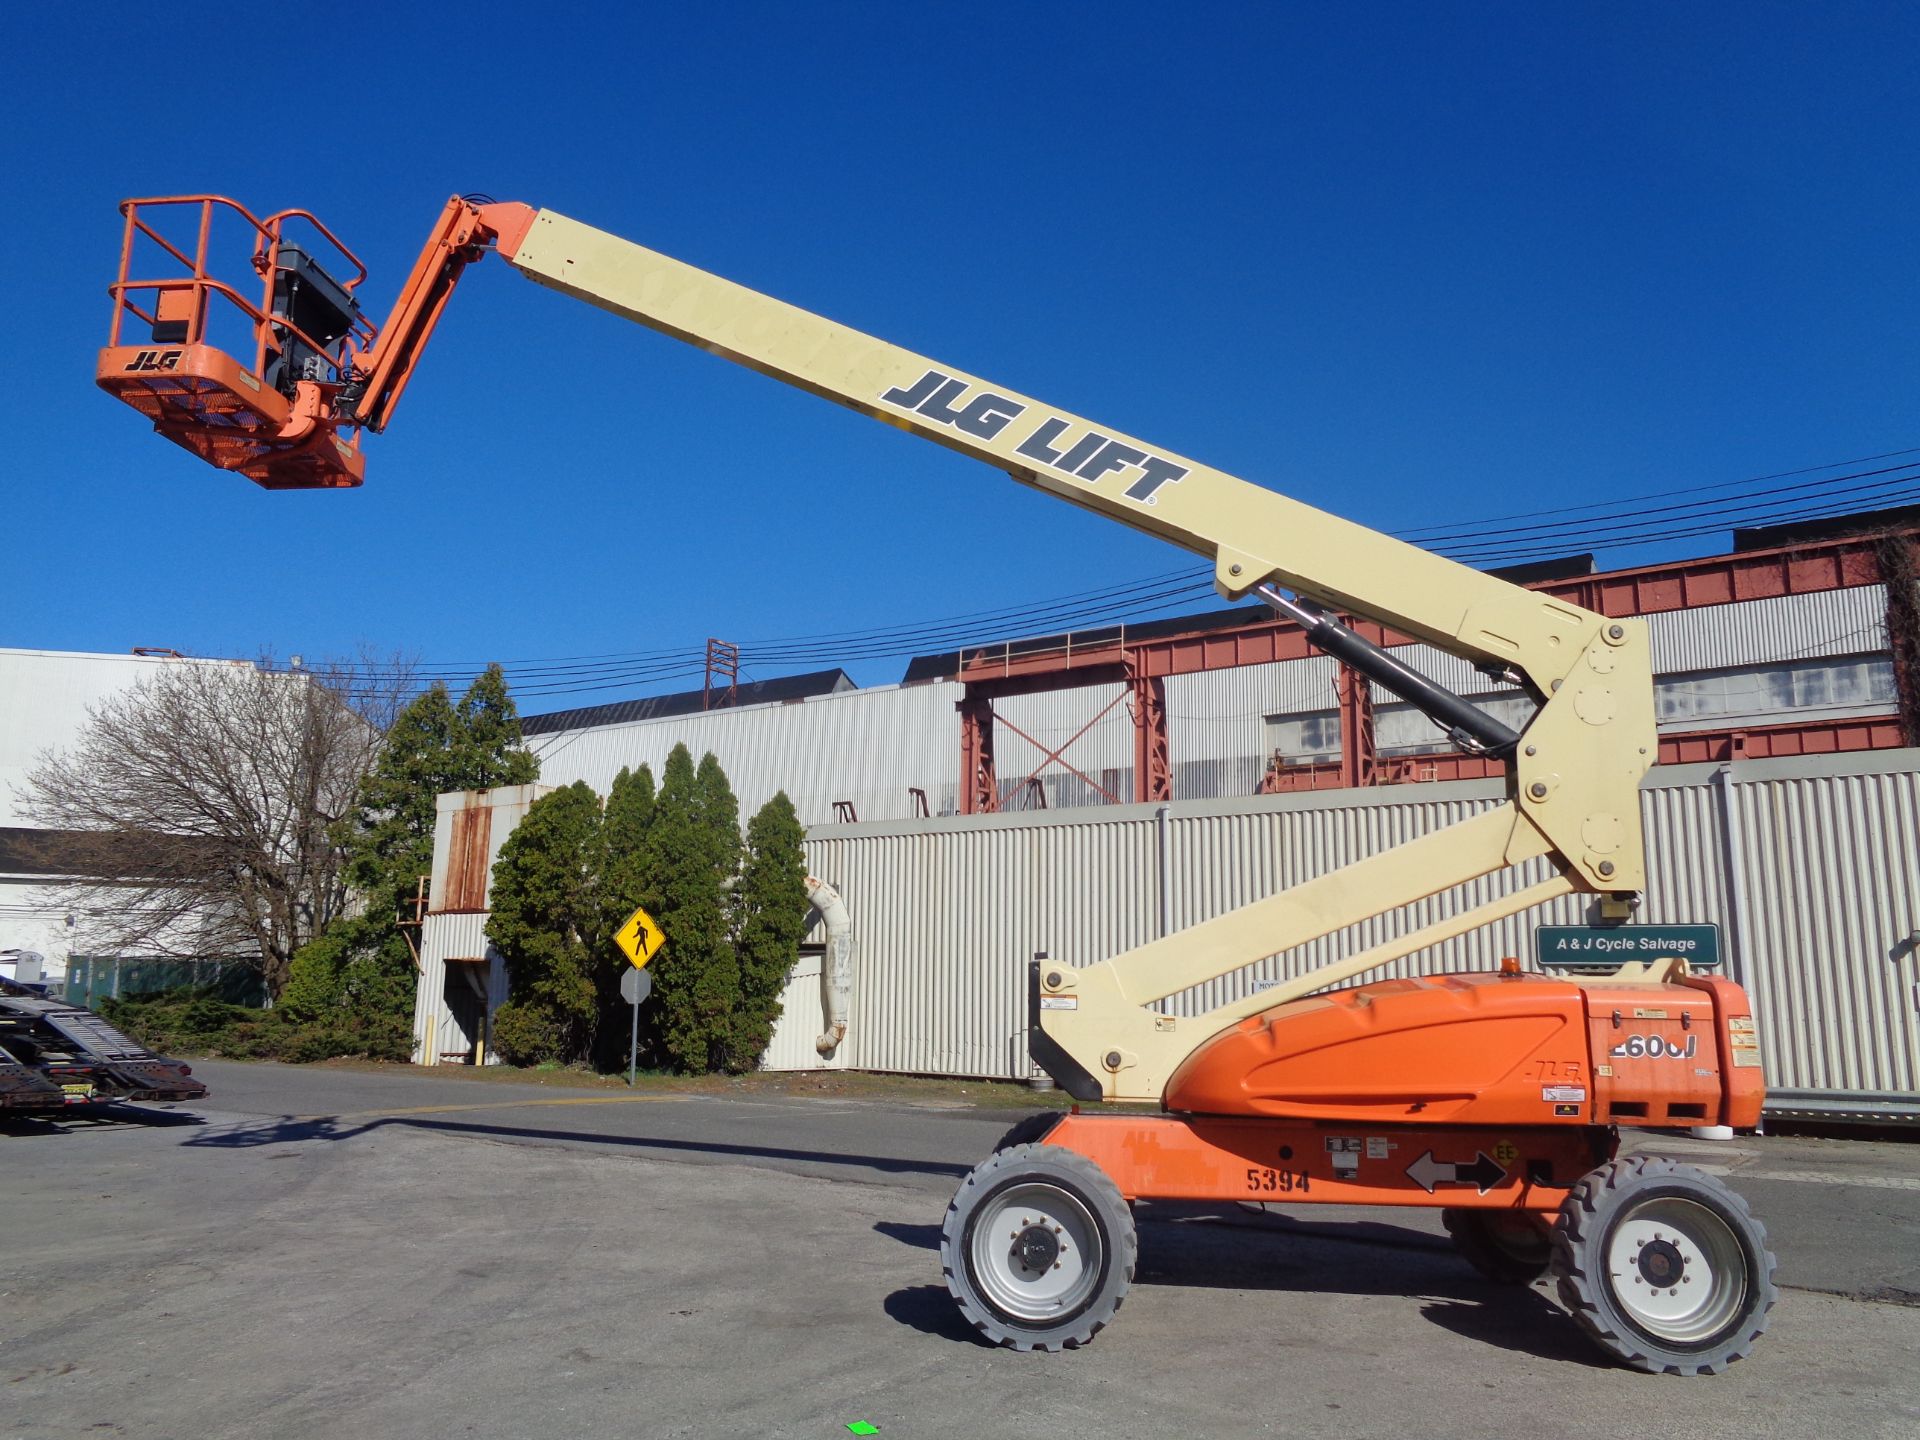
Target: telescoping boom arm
x,y
1574,769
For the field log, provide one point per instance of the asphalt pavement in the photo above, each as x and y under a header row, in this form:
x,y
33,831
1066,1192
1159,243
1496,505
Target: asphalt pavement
x,y
318,1251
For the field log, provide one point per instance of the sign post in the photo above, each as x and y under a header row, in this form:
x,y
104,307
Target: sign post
x,y
635,986
639,939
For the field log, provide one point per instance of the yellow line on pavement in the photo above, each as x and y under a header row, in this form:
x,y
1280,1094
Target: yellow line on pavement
x,y
491,1105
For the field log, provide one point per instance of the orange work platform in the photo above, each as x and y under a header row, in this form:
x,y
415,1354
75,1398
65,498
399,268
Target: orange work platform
x,y
242,411
243,340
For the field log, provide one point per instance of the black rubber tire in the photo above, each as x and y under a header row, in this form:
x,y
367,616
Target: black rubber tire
x,y
1508,1248
1030,1131
1629,1192
1049,1177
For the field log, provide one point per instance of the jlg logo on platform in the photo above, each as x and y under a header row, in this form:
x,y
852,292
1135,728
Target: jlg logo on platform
x,y
156,360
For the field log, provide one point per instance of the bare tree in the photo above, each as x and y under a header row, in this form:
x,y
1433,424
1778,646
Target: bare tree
x,y
196,813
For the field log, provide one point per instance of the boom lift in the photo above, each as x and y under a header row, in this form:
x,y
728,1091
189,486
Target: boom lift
x,y
1493,1097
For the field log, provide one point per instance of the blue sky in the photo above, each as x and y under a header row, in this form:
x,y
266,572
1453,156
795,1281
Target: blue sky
x,y
1410,263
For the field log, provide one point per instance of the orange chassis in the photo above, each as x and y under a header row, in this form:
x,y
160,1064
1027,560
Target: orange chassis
x,y
1477,1091
1201,1157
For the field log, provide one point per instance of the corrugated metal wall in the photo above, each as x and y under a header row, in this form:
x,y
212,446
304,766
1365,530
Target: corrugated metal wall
x,y
439,1028
1815,884
864,746
446,1020
1217,719
1828,903
1091,726
1721,637
508,804
1762,632
801,1019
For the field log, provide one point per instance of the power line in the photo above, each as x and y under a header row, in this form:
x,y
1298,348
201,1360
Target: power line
x,y
1689,490
1832,487
1601,526
1498,555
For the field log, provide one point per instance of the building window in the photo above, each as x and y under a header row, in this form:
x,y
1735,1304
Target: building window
x,y
1711,699
1304,739
1763,693
1402,730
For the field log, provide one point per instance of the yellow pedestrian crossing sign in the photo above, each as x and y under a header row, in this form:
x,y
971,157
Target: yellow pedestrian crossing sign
x,y
639,938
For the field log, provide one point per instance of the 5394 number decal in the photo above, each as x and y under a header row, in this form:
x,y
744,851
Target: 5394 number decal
x,y
1281,1182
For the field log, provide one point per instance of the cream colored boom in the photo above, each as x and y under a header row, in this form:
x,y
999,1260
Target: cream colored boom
x,y
1573,785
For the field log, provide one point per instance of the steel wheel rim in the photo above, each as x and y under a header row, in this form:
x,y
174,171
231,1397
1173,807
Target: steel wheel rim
x,y
1677,1270
1003,1242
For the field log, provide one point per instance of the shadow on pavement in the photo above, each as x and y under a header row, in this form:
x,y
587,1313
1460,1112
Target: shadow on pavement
x,y
1180,1246
1200,1247
924,1237
288,1129
1363,1258
23,1123
1524,1321
293,1129
76,1119
930,1310
152,1119
1295,1227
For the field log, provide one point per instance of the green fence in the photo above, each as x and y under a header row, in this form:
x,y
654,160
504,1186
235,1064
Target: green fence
x,y
92,978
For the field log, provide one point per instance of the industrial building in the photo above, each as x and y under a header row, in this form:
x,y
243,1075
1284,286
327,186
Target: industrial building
x,y
1769,650
1085,793
45,698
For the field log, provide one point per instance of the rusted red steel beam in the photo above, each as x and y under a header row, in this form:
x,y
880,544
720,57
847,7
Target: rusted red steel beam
x,y
1358,761
1152,749
1647,590
1763,742
979,780
1053,756
1652,589
1751,742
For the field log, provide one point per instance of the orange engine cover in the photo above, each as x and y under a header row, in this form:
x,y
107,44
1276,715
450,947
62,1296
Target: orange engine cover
x,y
1443,1050
1486,1049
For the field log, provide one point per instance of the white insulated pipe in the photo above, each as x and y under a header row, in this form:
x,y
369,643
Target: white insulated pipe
x,y
1166,870
836,965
